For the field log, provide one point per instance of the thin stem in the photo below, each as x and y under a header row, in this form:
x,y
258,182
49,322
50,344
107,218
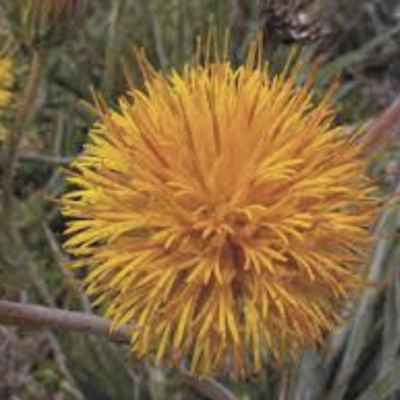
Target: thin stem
x,y
34,316
207,387
63,161
383,129
39,317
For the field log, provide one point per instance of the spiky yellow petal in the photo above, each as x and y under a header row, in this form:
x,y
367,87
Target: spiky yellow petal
x,y
222,214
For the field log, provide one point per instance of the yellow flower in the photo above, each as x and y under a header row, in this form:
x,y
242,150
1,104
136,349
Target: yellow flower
x,y
222,214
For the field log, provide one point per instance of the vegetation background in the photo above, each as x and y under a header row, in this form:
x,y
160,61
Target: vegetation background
x,y
58,61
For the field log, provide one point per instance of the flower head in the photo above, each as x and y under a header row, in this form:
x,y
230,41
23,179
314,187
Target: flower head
x,y
222,214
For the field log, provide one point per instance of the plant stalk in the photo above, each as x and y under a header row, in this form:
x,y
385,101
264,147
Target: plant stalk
x,y
40,317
